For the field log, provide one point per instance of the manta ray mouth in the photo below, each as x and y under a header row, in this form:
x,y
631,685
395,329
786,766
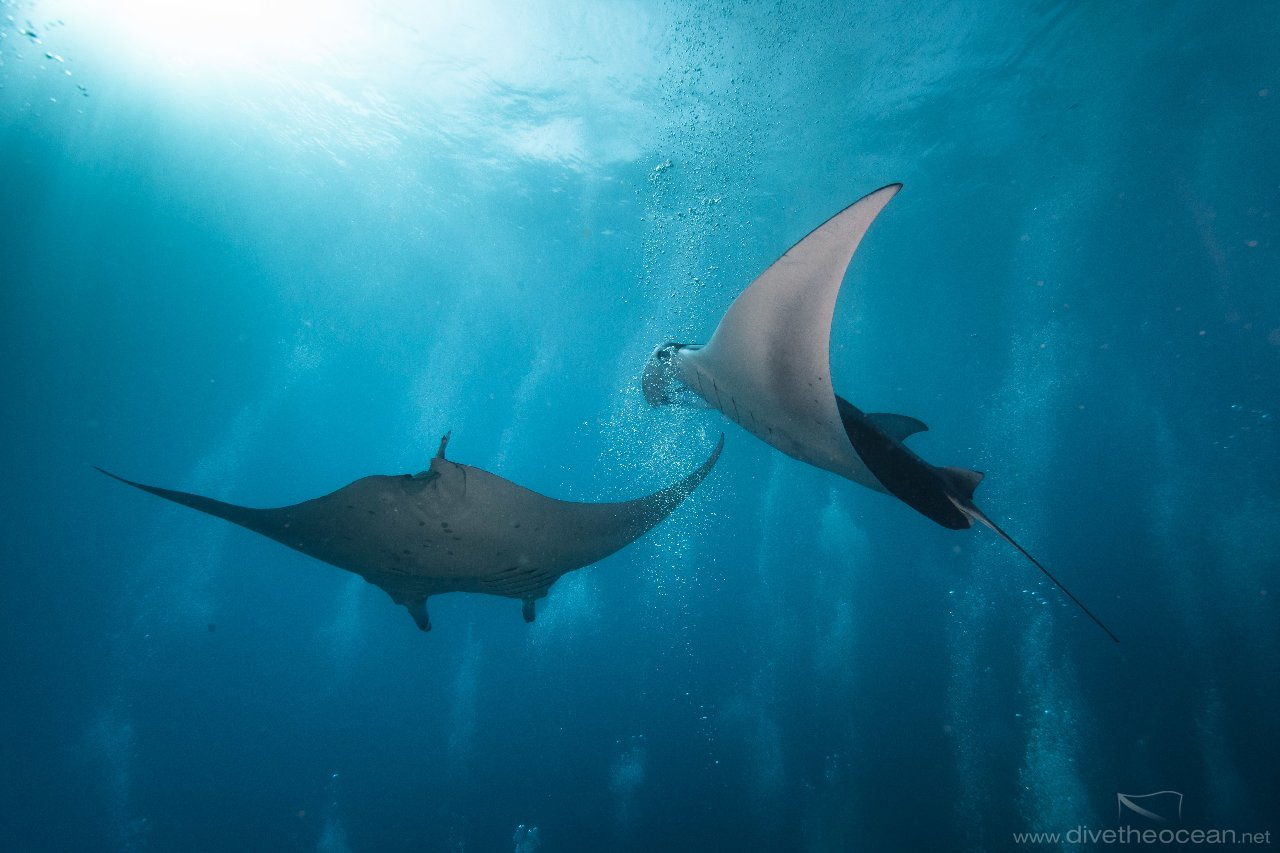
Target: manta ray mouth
x,y
661,374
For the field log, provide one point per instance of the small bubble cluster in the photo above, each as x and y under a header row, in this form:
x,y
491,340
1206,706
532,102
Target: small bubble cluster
x,y
35,34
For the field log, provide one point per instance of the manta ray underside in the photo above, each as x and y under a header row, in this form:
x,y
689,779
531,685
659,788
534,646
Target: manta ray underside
x,y
452,528
768,368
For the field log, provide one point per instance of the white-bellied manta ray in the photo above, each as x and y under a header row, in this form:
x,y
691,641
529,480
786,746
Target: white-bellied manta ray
x,y
452,528
768,368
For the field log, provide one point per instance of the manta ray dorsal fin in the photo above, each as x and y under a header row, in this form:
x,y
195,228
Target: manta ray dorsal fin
x,y
963,480
773,344
897,426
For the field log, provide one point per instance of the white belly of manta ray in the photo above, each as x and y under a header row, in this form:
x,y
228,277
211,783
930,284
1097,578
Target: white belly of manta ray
x,y
767,367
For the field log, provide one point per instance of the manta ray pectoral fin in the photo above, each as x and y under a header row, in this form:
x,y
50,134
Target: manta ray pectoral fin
x,y
508,540
768,363
899,427
244,516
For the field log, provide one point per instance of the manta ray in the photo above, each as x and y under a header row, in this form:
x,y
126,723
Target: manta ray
x,y
768,368
452,528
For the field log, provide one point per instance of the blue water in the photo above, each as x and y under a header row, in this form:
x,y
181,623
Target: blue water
x,y
259,257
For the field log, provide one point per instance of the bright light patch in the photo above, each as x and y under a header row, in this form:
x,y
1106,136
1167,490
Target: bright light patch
x,y
219,35
485,82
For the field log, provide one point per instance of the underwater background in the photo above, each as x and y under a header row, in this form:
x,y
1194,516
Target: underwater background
x,y
259,250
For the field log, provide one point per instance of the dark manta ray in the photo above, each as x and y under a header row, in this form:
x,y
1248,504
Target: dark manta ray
x,y
768,368
452,528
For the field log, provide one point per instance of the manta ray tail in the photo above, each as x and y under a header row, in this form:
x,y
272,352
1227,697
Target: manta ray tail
x,y
977,514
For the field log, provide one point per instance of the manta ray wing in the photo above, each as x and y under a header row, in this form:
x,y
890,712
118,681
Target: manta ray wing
x,y
768,368
452,528
768,365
